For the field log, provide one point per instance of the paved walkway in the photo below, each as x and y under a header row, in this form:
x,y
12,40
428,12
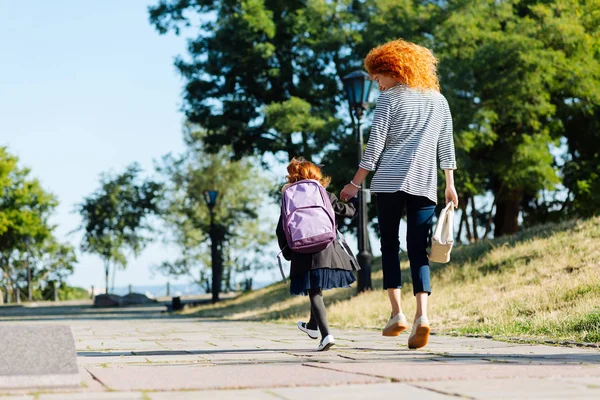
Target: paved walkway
x,y
140,354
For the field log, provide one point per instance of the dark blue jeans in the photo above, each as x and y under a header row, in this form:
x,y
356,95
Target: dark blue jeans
x,y
419,216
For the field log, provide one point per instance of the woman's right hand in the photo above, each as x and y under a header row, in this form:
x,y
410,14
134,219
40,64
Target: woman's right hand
x,y
349,191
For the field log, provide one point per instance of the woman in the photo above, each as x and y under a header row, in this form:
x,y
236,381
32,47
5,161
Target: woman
x,y
412,128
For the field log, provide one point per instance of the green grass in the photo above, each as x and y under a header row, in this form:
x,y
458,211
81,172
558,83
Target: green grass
x,y
543,283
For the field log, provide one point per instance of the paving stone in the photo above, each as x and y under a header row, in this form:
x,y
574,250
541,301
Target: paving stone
x,y
37,357
437,371
226,376
361,392
588,381
346,392
377,356
470,360
250,357
497,389
93,396
131,359
114,345
244,394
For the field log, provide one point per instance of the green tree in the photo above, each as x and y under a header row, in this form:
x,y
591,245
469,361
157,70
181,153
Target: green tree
x,y
116,217
519,75
25,208
582,168
238,228
263,75
579,112
50,262
515,74
54,263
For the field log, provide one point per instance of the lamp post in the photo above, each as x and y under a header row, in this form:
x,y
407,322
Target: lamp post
x,y
210,196
358,87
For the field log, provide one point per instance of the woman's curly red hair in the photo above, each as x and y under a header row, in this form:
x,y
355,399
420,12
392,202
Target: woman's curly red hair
x,y
409,63
299,169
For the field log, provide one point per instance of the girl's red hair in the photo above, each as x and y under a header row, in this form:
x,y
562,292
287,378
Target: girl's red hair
x,y
409,63
299,169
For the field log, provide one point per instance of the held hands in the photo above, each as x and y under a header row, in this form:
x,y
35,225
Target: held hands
x,y
349,191
451,195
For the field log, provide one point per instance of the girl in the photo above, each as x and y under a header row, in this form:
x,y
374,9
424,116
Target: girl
x,y
310,274
411,131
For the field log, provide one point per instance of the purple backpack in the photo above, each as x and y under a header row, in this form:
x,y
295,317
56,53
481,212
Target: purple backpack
x,y
307,216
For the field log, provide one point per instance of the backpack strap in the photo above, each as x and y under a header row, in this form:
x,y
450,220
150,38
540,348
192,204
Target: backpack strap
x,y
353,260
281,266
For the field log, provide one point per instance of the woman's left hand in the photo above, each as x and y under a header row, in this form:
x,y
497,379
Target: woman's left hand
x,y
348,192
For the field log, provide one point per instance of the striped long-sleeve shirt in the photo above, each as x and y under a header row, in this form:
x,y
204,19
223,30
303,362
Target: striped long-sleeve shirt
x,y
411,130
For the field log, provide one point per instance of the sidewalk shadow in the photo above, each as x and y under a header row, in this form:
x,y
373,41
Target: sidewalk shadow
x,y
527,359
82,312
346,356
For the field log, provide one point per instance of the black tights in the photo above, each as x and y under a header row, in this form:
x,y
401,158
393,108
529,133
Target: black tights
x,y
318,314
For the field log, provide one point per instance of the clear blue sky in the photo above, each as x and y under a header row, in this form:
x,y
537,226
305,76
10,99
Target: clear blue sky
x,y
87,87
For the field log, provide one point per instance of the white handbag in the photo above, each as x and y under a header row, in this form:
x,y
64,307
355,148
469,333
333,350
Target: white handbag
x,y
443,236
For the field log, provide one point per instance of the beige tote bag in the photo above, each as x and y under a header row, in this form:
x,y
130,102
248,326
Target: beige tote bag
x,y
443,236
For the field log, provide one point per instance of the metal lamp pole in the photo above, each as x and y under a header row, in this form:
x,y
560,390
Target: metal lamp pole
x,y
364,255
358,87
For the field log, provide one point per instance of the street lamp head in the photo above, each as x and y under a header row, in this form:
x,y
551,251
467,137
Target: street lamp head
x,y
210,196
358,88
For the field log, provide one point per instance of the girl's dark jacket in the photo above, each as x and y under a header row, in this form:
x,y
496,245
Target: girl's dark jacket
x,y
333,256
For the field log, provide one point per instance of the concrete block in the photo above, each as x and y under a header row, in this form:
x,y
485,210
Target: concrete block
x,y
37,356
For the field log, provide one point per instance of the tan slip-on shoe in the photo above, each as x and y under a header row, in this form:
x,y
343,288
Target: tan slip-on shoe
x,y
419,337
395,325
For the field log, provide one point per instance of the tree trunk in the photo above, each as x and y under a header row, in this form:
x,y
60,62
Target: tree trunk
x,y
488,225
290,149
463,207
460,226
9,288
114,275
106,273
227,271
508,205
474,219
306,151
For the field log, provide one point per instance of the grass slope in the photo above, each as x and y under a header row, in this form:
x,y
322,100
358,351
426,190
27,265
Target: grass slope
x,y
543,283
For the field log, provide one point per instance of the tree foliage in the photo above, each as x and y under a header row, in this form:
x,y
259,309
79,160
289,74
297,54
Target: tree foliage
x,y
520,75
508,68
262,75
238,228
116,217
26,235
